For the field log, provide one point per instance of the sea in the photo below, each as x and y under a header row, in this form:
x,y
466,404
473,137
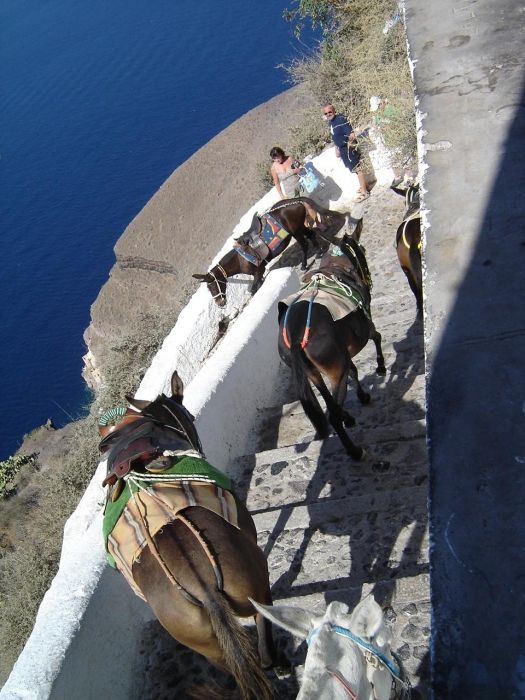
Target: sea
x,y
100,102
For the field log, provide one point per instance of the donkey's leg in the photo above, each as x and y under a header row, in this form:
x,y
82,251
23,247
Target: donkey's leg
x,y
315,243
415,291
258,276
362,395
375,335
340,389
336,415
303,242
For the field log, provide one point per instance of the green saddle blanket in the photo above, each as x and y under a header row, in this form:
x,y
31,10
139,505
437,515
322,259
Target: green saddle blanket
x,y
185,468
332,285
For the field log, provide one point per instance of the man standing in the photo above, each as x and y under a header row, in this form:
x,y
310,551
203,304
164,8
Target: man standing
x,y
345,142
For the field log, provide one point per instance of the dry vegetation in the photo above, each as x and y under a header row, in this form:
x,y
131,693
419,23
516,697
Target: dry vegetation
x,y
32,530
356,60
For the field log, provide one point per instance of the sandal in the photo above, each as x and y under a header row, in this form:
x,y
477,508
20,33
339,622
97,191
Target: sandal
x,y
361,197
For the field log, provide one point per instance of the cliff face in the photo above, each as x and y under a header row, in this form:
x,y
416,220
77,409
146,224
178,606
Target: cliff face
x,y
185,223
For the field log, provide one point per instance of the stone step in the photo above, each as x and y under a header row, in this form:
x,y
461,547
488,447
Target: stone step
x,y
286,425
299,487
345,542
388,450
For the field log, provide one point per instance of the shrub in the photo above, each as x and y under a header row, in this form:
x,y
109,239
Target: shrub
x,y
357,58
9,468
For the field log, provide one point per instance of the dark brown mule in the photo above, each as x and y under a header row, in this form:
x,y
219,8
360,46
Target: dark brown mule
x,y
292,214
198,571
408,242
329,346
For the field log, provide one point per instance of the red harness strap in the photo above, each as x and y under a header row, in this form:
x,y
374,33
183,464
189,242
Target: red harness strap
x,y
342,680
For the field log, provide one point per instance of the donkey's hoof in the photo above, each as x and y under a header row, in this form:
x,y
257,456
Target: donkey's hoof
x,y
362,455
381,371
364,398
381,466
348,420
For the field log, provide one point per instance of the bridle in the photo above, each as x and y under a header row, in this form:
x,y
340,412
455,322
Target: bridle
x,y
401,688
218,282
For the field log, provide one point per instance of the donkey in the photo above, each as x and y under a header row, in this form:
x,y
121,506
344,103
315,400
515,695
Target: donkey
x,y
184,541
349,655
322,328
255,249
408,242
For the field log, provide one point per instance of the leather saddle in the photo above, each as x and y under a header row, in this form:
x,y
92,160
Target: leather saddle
x,y
252,242
164,425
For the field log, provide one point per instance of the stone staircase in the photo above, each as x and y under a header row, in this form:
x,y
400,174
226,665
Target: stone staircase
x,y
331,528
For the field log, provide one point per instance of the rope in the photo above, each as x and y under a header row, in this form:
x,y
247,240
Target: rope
x,y
153,548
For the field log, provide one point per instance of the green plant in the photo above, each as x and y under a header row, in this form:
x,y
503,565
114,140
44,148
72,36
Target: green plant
x,y
9,468
363,53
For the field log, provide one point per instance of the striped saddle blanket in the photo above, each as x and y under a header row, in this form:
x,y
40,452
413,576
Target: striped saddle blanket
x,y
266,244
153,501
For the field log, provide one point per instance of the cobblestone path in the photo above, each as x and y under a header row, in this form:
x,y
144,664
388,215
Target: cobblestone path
x,y
334,529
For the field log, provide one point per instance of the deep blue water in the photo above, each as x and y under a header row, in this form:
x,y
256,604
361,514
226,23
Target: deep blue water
x,y
101,101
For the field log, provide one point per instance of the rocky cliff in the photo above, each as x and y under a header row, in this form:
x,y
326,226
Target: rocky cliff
x,y
185,223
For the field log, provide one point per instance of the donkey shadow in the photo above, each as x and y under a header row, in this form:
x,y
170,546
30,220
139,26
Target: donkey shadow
x,y
379,547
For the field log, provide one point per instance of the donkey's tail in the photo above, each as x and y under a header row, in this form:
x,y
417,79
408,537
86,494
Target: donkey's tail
x,y
308,399
238,651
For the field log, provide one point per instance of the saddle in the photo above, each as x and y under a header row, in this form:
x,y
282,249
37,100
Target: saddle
x,y
159,430
264,240
251,245
349,266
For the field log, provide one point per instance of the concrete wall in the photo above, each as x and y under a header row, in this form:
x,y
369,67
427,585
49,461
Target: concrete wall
x,y
87,631
468,59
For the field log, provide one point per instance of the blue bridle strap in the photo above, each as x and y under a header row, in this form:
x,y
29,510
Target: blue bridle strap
x,y
396,673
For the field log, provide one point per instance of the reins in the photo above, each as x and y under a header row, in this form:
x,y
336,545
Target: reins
x,y
373,656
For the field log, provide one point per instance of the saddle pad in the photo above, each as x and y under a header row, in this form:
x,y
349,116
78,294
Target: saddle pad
x,y
155,506
274,235
338,306
247,255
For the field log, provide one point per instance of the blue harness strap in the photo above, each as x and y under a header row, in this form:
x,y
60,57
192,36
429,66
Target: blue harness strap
x,y
306,335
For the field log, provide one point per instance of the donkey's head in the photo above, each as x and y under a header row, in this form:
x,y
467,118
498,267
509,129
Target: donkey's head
x,y
215,280
336,664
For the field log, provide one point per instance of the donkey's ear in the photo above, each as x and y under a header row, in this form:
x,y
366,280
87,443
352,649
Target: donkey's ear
x,y
202,278
367,618
295,620
138,403
177,387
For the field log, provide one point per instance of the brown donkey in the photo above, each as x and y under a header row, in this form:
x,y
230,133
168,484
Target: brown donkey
x,y
255,249
322,329
183,540
408,242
